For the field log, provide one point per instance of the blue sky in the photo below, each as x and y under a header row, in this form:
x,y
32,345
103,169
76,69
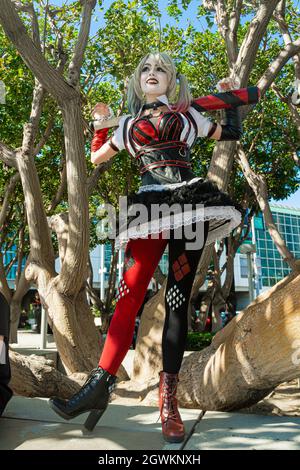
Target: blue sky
x,y
187,17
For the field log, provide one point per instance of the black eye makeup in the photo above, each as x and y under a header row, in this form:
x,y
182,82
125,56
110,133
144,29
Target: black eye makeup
x,y
146,68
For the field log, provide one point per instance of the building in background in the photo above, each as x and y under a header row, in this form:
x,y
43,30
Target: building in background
x,y
8,257
269,267
273,268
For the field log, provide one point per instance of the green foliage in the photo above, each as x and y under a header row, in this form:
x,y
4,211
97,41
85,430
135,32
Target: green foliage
x,y
198,341
95,311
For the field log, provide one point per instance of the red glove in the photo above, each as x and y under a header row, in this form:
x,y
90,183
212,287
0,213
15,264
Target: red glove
x,y
99,139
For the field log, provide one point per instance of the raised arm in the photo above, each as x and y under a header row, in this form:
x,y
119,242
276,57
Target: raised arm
x,y
231,126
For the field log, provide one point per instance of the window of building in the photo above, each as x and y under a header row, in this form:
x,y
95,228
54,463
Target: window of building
x,y
271,263
258,223
163,264
263,253
243,266
288,229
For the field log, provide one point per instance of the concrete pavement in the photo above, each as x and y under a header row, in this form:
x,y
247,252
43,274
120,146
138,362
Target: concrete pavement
x,y
29,423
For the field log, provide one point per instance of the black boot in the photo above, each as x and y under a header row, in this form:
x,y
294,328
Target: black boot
x,y
93,396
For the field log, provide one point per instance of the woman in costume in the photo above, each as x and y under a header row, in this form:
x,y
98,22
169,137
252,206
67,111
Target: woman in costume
x,y
159,135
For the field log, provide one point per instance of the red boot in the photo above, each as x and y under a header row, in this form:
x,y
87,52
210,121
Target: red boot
x,y
172,425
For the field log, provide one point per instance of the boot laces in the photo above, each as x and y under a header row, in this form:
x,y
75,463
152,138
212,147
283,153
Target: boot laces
x,y
169,401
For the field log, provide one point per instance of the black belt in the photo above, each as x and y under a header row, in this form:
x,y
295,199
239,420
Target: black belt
x,y
176,154
182,148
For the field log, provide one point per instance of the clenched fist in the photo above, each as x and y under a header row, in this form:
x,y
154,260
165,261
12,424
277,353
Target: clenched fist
x,y
227,84
101,111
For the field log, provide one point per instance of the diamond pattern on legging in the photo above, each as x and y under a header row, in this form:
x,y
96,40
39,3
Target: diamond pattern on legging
x,y
122,289
181,267
174,297
128,260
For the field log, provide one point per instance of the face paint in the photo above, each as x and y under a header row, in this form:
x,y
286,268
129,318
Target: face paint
x,y
154,79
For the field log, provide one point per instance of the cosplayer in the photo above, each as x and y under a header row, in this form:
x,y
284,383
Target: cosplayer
x,y
5,391
159,135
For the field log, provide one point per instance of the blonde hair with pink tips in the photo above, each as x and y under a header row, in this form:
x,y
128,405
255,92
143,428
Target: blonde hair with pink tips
x,y
135,94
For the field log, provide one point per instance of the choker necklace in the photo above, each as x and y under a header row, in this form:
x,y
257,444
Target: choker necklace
x,y
154,105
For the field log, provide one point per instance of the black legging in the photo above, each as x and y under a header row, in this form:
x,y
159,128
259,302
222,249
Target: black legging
x,y
183,264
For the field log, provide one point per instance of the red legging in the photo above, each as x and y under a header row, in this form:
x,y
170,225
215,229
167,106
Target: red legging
x,y
141,259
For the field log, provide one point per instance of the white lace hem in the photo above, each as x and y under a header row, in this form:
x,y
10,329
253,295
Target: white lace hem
x,y
162,187
208,213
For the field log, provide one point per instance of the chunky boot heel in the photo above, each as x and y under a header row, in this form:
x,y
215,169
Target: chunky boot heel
x,y
93,419
94,396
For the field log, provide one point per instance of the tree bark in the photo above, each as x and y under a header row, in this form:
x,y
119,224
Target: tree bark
x,y
16,307
247,359
36,376
148,355
75,334
63,295
253,354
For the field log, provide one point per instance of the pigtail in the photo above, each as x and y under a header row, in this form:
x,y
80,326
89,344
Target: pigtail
x,y
184,95
133,101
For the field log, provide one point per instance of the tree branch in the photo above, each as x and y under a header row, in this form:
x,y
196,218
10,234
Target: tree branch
x,y
83,36
8,156
259,187
32,56
29,8
293,109
60,191
97,172
250,45
279,16
8,192
228,26
40,240
4,287
274,68
45,136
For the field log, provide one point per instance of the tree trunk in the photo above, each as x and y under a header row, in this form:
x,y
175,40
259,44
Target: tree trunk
x,y
148,354
36,376
16,307
247,359
253,354
62,295
204,310
216,316
75,334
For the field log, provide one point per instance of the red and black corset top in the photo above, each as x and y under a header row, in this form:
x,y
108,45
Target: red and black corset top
x,y
168,127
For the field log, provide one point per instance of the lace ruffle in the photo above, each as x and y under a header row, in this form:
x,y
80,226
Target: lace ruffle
x,y
163,187
225,213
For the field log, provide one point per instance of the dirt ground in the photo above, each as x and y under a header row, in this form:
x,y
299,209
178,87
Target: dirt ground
x,y
283,401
